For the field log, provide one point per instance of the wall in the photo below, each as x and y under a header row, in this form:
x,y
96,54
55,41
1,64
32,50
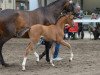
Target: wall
x,y
8,5
91,4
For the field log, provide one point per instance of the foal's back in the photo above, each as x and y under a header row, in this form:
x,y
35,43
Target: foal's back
x,y
38,30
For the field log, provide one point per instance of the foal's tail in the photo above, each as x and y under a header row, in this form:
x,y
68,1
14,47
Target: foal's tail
x,y
22,32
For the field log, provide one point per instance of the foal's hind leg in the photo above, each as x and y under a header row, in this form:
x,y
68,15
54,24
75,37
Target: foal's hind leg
x,y
28,49
51,54
69,46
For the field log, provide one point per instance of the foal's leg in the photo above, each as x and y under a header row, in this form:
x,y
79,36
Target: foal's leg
x,y
28,49
51,54
69,46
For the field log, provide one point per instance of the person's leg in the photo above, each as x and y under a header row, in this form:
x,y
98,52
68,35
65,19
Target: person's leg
x,y
56,53
47,48
74,37
69,34
95,34
46,51
78,33
57,46
82,34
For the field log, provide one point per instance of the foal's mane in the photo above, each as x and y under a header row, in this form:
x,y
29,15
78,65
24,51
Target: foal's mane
x,y
62,18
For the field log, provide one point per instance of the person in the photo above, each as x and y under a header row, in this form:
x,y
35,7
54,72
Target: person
x,y
93,16
79,14
68,28
96,32
72,31
93,27
56,52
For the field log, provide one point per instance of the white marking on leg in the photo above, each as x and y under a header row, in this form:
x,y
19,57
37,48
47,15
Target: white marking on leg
x,y
37,56
72,55
24,63
51,61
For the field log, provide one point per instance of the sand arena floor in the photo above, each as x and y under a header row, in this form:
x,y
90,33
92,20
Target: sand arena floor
x,y
86,59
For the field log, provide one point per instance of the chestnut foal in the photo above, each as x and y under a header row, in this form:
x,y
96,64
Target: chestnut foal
x,y
53,33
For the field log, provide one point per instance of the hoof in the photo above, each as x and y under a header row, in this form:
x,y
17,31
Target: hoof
x,y
70,60
23,69
53,65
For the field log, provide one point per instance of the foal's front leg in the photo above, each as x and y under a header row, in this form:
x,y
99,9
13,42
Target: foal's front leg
x,y
69,46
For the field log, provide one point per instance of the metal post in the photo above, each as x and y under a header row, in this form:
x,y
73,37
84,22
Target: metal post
x,y
45,2
5,4
40,3
13,4
82,4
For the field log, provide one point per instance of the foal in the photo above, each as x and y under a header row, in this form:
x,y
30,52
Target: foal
x,y
54,33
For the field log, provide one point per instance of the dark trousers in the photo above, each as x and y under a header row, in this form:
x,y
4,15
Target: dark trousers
x,y
46,51
80,31
70,35
96,34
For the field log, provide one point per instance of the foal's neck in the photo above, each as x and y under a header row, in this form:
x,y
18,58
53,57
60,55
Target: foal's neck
x,y
61,22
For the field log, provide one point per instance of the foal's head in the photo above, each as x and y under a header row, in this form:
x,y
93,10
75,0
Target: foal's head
x,y
66,19
69,19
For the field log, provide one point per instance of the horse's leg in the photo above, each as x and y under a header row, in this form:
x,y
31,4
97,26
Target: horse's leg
x,y
51,54
69,46
3,40
28,49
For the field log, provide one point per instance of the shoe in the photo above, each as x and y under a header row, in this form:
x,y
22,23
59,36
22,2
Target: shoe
x,y
57,59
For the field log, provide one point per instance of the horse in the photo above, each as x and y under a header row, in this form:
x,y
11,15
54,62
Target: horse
x,y
14,23
54,33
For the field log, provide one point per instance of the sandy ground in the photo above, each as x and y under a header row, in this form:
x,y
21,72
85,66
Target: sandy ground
x,y
86,59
